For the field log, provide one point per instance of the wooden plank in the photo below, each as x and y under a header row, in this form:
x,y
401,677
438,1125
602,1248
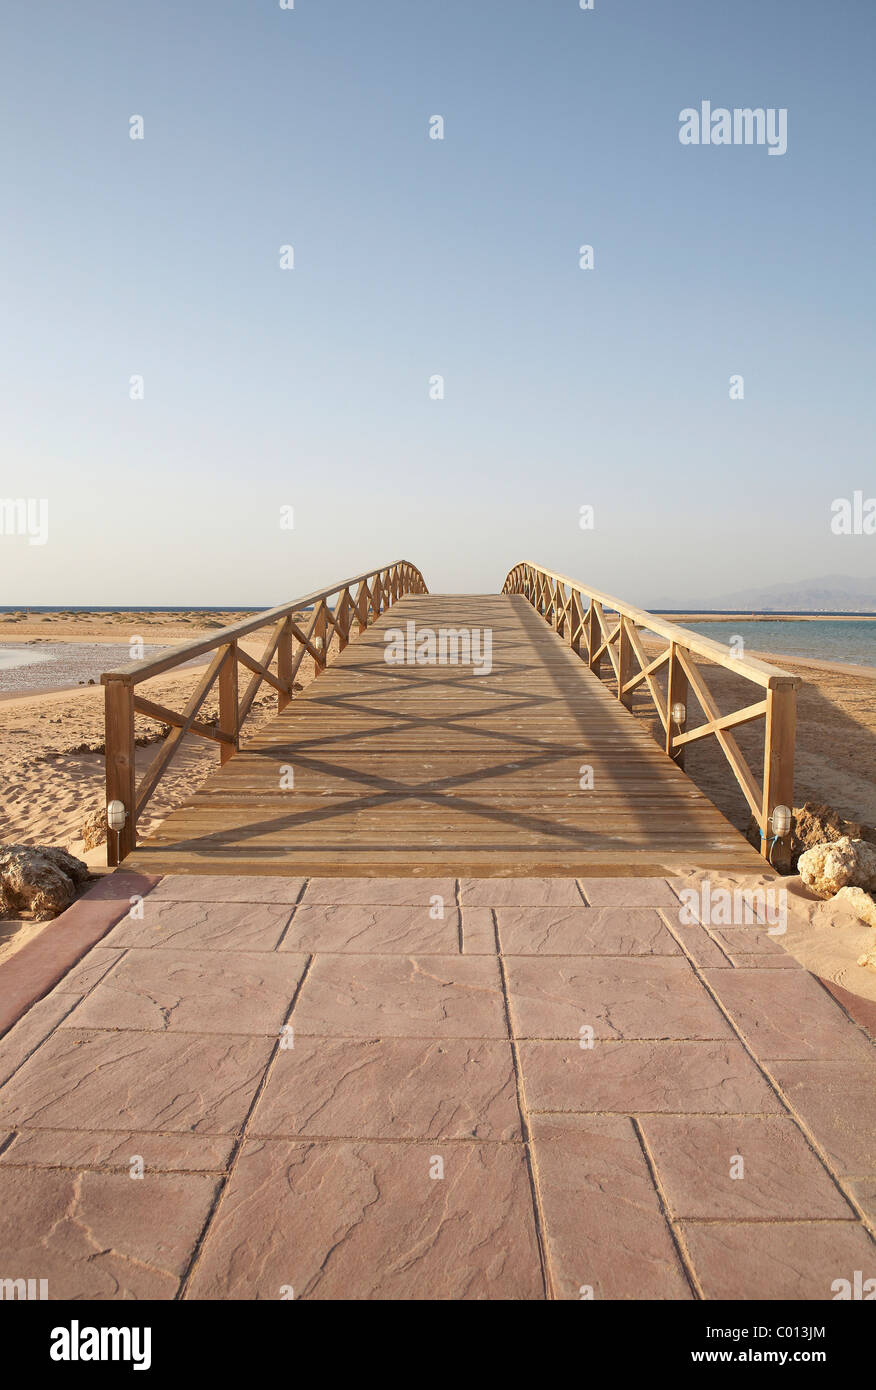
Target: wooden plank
x,y
176,736
175,720
732,752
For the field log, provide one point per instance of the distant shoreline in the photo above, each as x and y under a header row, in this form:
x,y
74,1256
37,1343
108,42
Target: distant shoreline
x,y
716,616
703,615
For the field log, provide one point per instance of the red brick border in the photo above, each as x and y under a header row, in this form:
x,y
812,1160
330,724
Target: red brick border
x,y
863,1011
30,973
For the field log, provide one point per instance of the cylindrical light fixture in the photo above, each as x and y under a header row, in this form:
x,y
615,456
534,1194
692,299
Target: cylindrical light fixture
x,y
780,820
679,713
116,815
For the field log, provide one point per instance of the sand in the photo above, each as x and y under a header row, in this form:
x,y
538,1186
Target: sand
x,y
53,773
52,741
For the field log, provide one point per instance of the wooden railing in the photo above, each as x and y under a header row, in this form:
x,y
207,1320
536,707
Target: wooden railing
x,y
597,625
374,592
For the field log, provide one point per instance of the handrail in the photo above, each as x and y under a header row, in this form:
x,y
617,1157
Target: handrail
x,y
609,628
377,590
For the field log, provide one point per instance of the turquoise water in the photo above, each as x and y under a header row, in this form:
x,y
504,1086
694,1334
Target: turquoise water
x,y
823,639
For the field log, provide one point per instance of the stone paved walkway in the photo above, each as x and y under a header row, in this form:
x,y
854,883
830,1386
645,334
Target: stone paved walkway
x,y
385,1088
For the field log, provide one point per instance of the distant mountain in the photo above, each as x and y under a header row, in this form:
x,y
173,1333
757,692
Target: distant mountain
x,y
831,593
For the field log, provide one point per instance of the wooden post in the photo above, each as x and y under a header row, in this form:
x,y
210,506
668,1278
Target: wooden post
x,y
120,769
228,712
778,767
318,639
677,693
624,662
594,639
362,606
284,665
342,617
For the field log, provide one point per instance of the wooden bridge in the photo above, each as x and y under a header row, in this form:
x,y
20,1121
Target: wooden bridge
x,y
461,734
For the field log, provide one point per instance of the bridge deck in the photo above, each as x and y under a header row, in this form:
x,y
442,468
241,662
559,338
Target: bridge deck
x,y
435,770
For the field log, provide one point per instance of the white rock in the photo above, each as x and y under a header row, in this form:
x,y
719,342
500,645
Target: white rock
x,y
860,902
842,863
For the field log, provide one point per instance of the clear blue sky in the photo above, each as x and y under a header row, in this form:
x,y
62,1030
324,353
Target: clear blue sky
x,y
309,388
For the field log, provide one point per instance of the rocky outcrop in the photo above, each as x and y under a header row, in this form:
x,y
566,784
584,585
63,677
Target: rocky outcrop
x,y
843,863
39,880
93,829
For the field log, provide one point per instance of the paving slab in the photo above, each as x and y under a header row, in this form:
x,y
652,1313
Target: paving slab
x,y
229,888
777,1260
631,1078
137,1081
203,926
31,1031
698,944
189,991
354,927
628,892
742,944
584,931
788,1015
519,892
401,996
38,966
837,1103
478,931
121,886
618,997
863,1192
386,892
390,1088
367,1221
154,1153
605,1232
377,1089
863,1011
102,1235
735,1167
85,975
762,962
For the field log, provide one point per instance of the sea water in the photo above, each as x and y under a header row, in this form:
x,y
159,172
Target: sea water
x,y
823,639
